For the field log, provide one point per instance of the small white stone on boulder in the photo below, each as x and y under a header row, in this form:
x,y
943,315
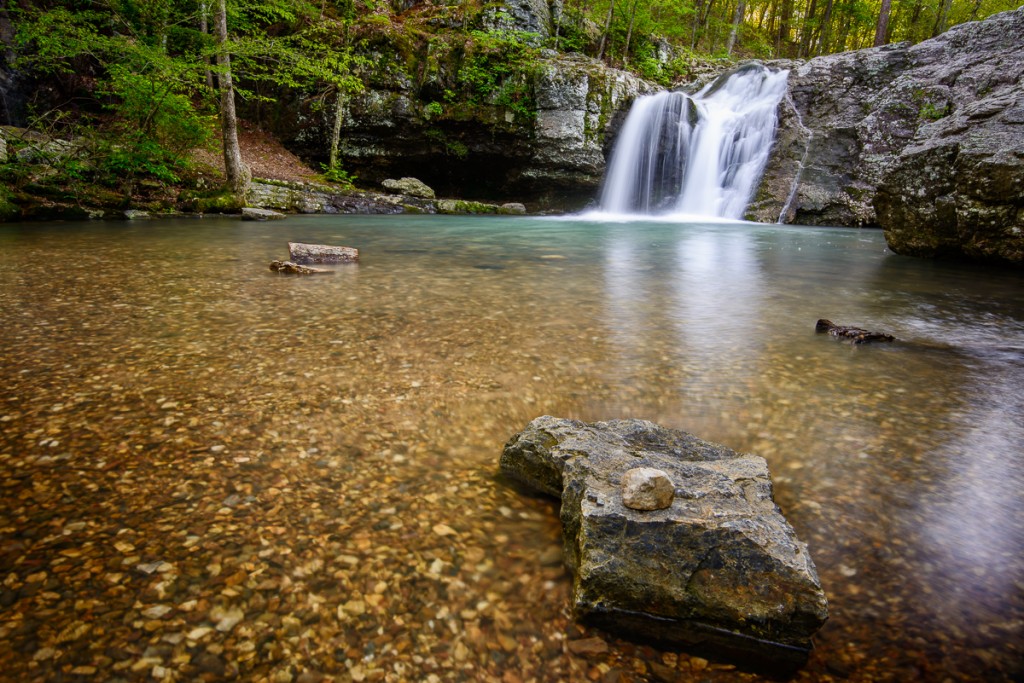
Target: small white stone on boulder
x,y
646,488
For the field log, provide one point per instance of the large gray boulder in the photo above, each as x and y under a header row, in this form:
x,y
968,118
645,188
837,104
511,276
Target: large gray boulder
x,y
925,140
414,187
719,567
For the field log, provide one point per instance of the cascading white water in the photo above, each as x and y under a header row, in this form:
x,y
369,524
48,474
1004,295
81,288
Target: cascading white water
x,y
700,155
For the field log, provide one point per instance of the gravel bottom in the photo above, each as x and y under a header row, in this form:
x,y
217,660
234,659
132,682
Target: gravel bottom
x,y
209,472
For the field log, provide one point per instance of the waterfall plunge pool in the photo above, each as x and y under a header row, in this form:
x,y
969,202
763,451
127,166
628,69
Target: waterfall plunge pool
x,y
186,437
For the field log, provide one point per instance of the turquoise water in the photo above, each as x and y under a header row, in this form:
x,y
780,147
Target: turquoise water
x,y
163,359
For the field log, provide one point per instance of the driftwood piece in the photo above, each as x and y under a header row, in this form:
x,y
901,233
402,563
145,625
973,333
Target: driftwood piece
x,y
289,268
855,335
321,253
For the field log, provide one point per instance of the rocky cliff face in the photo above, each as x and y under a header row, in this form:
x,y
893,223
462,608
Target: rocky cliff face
x,y
554,154
533,130
925,140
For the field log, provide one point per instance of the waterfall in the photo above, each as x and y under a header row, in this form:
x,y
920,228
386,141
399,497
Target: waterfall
x,y
701,155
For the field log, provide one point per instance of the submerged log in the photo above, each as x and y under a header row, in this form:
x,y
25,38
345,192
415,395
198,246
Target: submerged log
x,y
289,268
321,253
855,335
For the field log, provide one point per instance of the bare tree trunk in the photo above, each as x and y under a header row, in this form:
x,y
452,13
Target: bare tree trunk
x,y
882,28
607,28
736,19
629,34
236,171
807,30
782,37
336,131
558,8
698,5
942,18
204,28
824,29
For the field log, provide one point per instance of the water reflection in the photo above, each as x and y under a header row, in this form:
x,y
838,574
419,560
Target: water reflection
x,y
718,301
311,440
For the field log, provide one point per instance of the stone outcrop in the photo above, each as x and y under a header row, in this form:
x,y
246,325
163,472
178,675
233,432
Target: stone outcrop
x,y
539,135
528,16
414,187
321,253
719,567
580,106
293,197
250,213
925,140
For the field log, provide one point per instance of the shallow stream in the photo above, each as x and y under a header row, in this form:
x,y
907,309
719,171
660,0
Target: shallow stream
x,y
208,469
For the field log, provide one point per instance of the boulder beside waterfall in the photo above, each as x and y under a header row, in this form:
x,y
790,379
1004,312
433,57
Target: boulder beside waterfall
x,y
719,567
925,140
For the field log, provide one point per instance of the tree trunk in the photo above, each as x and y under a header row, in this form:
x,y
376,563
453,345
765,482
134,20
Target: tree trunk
x,y
629,34
785,16
336,132
824,29
607,29
237,174
807,30
708,6
882,28
736,19
698,5
942,18
558,8
204,28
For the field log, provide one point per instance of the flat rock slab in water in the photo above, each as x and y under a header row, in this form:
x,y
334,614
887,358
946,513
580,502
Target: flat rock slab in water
x,y
719,568
321,253
250,213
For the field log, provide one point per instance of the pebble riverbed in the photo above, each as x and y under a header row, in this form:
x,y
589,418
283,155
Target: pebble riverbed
x,y
211,472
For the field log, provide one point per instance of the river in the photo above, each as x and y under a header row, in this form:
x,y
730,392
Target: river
x,y
209,469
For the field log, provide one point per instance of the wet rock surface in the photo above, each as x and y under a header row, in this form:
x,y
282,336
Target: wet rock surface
x,y
321,253
854,335
926,140
250,213
290,268
720,566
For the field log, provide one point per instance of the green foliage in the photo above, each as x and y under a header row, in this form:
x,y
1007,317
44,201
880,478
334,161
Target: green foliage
x,y
932,111
498,69
152,98
145,157
433,110
339,176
